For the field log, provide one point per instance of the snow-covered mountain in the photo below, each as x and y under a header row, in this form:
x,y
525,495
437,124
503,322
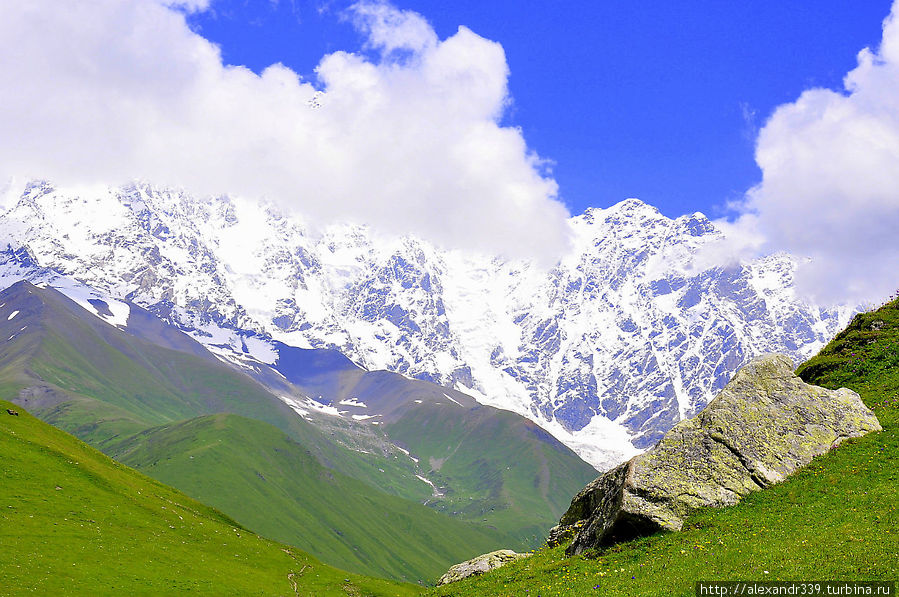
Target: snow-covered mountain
x,y
607,350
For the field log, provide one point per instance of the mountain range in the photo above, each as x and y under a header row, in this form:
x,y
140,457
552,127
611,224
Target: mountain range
x,y
75,521
626,335
332,389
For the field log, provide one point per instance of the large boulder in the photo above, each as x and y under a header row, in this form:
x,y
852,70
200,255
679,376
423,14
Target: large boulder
x,y
763,426
480,565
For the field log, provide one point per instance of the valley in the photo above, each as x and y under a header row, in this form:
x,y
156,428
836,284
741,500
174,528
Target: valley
x,y
154,404
73,521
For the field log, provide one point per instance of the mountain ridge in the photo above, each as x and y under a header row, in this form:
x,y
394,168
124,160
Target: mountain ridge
x,y
607,350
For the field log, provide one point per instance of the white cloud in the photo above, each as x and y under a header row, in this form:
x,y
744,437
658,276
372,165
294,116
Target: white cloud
x,y
389,29
830,186
194,5
111,90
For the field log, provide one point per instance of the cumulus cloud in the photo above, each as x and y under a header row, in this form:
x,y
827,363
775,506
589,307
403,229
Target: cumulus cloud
x,y
389,29
106,91
830,185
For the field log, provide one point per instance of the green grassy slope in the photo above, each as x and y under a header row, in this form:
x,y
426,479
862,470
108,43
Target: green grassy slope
x,y
837,519
104,385
101,384
73,521
78,367
497,467
274,486
489,465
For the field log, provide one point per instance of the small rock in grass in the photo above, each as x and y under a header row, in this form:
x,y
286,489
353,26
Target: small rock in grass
x,y
480,565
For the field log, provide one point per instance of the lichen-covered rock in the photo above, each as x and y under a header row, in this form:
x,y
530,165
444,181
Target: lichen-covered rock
x,y
761,428
480,565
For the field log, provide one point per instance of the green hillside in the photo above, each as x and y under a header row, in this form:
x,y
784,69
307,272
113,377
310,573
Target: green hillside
x,y
488,465
274,486
73,521
105,385
496,467
837,519
96,381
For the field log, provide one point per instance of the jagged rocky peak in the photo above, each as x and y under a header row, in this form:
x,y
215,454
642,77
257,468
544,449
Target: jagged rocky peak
x,y
765,425
632,206
607,350
628,210
696,224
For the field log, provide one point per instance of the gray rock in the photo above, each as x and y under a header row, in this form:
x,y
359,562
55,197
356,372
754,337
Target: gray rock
x,y
480,565
763,426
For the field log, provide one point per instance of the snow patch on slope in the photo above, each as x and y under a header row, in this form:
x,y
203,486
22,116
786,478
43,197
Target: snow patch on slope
x,y
451,398
437,492
234,346
304,406
353,402
110,310
601,443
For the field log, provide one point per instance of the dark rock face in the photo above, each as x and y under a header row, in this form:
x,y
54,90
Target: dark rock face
x,y
763,426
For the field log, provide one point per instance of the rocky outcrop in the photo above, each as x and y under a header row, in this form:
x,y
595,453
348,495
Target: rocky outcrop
x,y
763,426
480,565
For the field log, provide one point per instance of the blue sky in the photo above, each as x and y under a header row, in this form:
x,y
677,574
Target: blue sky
x,y
656,100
